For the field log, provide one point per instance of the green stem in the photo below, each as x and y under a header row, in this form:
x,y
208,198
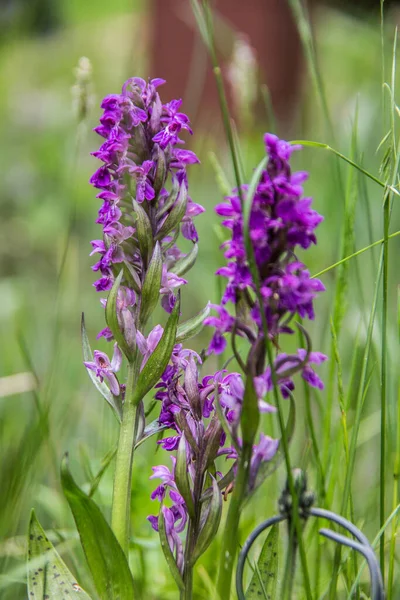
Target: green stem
x,y
383,458
230,539
187,593
120,515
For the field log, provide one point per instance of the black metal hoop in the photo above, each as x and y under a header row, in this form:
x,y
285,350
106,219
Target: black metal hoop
x,y
362,546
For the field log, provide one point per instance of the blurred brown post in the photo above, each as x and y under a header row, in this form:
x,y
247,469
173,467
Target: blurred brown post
x,y
179,56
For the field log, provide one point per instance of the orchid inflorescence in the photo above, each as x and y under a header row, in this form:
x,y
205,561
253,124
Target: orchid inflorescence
x,y
145,205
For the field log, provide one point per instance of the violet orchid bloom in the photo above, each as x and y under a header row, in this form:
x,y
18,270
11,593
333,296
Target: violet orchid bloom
x,y
104,369
169,282
264,451
147,345
141,143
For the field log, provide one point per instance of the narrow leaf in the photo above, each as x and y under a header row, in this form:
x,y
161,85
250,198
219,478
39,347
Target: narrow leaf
x,y
106,461
182,476
143,231
105,557
210,527
48,576
151,286
250,415
151,429
159,359
112,400
112,318
170,201
193,326
263,584
176,215
184,264
169,557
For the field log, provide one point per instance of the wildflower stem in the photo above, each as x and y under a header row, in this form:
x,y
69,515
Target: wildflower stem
x,y
120,515
187,593
230,541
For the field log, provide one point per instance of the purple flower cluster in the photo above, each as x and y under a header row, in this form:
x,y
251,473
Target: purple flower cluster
x,y
143,187
140,154
280,221
188,408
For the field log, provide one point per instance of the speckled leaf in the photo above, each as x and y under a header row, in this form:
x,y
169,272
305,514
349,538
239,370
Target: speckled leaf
x,y
263,584
48,576
112,400
159,359
105,557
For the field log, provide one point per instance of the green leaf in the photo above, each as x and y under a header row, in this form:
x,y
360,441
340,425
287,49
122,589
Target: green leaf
x,y
263,584
169,557
105,557
186,262
106,461
348,160
170,201
144,231
151,429
48,576
113,401
267,468
159,359
249,203
193,326
211,524
151,286
176,215
112,318
250,414
182,476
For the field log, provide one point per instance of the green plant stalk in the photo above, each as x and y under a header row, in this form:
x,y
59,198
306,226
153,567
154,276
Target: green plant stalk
x,y
395,502
120,512
396,476
230,541
354,255
382,488
192,534
225,574
307,41
356,426
187,593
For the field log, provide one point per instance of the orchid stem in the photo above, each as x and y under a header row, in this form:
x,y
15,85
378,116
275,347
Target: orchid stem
x,y
230,540
120,515
187,593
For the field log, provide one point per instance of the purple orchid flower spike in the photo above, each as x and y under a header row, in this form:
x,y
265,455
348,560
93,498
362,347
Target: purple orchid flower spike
x,y
104,369
263,295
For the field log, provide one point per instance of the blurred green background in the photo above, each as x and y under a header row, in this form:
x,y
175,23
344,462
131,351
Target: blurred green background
x,y
47,212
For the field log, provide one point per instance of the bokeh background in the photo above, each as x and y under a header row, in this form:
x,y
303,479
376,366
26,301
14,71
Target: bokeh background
x,y
48,210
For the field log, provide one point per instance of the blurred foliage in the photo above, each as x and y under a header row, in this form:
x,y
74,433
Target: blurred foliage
x,y
48,211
